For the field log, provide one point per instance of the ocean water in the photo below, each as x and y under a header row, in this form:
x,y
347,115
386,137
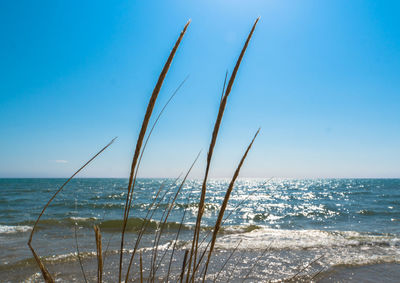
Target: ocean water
x,y
277,228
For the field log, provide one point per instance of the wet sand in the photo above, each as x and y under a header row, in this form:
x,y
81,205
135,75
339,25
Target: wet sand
x,y
385,273
269,268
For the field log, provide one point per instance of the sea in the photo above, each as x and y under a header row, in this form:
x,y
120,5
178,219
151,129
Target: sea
x,y
274,230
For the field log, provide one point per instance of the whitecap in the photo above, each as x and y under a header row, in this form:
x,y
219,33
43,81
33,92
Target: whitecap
x,y
6,229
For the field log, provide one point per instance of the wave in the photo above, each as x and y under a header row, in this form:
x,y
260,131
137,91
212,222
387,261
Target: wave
x,y
339,247
105,203
73,256
7,229
367,212
261,238
134,224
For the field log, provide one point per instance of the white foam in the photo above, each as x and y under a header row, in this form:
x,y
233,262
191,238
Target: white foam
x,y
6,229
301,239
337,247
82,218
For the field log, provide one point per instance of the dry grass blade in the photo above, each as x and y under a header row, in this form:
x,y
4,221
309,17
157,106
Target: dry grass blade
x,y
149,135
169,211
183,266
158,234
316,274
79,256
46,275
241,202
108,245
99,254
256,262
223,88
174,245
176,239
240,259
225,203
141,267
146,222
193,251
139,142
227,260
157,237
173,250
226,218
292,279
138,165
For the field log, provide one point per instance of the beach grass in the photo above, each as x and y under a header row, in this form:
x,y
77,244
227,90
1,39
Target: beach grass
x,y
194,257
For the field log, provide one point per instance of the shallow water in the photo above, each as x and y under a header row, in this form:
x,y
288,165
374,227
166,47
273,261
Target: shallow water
x,y
282,224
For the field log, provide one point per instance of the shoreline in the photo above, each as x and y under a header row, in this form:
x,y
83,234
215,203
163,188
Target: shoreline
x,y
70,272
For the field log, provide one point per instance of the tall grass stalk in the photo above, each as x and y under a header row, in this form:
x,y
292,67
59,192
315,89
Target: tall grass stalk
x,y
46,274
79,254
217,225
193,251
99,254
141,267
146,119
223,222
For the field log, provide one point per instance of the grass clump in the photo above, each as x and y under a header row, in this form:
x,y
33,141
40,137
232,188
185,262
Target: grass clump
x,y
193,258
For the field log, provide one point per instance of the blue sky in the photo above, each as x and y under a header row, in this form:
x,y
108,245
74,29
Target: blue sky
x,y
321,78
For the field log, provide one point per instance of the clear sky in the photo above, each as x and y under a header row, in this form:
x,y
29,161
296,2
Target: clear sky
x,y
321,78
